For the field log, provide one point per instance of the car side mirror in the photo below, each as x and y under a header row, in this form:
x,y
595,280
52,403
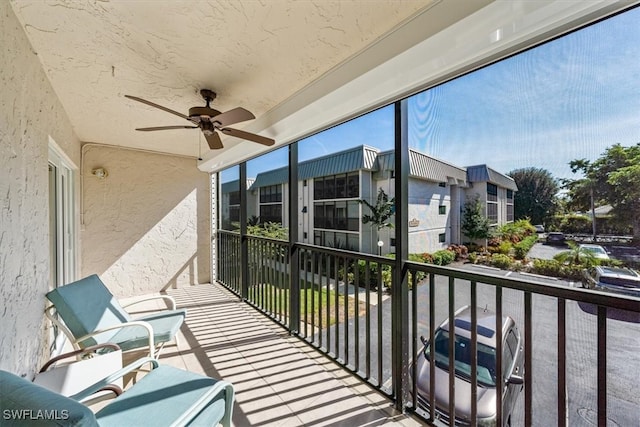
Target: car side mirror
x,y
515,379
423,340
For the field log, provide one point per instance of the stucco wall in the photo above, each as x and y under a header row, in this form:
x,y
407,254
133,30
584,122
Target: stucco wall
x,y
146,226
425,199
29,114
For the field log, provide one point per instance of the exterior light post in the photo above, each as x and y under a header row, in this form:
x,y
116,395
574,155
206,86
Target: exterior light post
x,y
380,245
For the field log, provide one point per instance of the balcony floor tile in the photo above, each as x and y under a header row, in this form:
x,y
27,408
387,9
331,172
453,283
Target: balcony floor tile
x,y
279,380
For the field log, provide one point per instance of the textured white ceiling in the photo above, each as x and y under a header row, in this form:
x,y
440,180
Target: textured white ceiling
x,y
254,54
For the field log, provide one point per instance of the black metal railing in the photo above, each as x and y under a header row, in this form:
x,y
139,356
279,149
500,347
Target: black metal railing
x,y
345,312
229,266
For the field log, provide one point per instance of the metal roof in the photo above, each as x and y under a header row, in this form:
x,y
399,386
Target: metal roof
x,y
353,159
363,157
483,173
426,167
228,187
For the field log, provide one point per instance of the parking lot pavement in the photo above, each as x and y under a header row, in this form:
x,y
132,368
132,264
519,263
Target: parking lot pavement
x,y
544,251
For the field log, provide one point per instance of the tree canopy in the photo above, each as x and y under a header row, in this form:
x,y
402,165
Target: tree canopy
x,y
536,197
614,179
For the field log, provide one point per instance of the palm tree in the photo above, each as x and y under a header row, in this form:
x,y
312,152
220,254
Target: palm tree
x,y
576,256
381,213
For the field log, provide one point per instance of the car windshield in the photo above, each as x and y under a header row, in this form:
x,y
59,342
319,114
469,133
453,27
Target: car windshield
x,y
594,249
486,373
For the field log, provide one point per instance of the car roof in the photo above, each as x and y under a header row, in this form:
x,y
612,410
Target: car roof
x,y
589,246
486,324
617,272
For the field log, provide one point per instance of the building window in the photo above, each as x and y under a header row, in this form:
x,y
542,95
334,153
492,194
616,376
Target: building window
x,y
341,186
234,213
392,242
492,192
442,237
338,215
271,193
509,212
442,210
510,195
234,198
442,184
271,213
338,240
492,212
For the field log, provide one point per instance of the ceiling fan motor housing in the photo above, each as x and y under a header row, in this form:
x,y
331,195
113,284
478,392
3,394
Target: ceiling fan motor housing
x,y
198,112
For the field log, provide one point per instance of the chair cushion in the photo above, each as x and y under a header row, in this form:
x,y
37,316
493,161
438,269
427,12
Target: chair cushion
x,y
23,403
86,306
165,325
160,398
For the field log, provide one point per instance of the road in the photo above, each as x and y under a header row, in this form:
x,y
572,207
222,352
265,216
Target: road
x,y
623,360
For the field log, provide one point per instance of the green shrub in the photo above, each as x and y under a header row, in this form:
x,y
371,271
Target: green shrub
x,y
505,247
443,257
522,249
501,261
554,268
473,257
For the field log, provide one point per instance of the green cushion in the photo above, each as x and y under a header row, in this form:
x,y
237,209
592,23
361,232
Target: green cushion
x,y
23,403
165,325
161,397
86,306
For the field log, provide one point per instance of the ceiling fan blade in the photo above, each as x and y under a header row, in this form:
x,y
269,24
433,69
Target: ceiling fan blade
x,y
230,117
144,101
213,139
166,128
248,136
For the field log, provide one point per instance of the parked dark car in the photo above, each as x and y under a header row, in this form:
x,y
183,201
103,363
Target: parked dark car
x,y
613,279
555,238
510,385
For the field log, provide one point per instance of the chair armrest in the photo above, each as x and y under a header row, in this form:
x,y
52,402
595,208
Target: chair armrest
x,y
115,376
133,323
200,404
172,302
83,351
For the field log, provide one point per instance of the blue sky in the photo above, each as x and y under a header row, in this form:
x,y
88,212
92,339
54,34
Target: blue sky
x,y
568,99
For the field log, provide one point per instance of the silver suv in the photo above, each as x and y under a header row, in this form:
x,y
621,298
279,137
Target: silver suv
x,y
511,383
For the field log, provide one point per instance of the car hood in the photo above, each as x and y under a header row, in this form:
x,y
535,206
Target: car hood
x,y
486,406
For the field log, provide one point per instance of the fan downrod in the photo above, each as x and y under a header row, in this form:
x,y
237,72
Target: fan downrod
x,y
208,95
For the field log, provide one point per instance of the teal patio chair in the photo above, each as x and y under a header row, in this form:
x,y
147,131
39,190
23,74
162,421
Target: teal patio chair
x,y
91,315
166,396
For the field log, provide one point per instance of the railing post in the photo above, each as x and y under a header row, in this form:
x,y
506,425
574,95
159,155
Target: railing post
x,y
294,287
400,285
244,244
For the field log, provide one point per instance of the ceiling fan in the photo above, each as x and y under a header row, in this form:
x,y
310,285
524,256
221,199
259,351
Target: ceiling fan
x,y
209,121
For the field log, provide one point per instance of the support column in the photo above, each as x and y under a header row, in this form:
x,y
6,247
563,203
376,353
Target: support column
x,y
400,287
244,244
294,285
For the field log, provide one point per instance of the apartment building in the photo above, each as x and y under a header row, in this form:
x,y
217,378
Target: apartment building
x,y
330,188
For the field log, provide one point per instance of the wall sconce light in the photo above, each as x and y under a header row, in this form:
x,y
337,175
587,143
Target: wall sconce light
x,y
100,173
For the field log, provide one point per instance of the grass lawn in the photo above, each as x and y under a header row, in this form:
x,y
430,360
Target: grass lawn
x,y
275,300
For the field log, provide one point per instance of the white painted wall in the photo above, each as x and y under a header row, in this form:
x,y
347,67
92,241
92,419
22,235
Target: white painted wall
x,y
425,198
146,225
29,113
